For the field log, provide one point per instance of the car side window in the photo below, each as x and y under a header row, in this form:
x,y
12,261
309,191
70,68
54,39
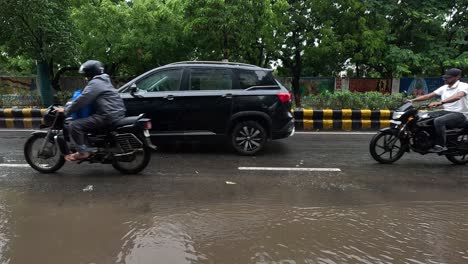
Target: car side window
x,y
250,78
210,79
161,81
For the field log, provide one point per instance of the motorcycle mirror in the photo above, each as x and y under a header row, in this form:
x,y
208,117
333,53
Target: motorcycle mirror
x,y
405,93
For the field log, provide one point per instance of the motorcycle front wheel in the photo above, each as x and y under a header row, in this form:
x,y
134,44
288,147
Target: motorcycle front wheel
x,y
46,160
134,163
385,147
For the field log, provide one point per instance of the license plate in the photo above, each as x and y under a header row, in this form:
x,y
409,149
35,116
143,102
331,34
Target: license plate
x,y
146,133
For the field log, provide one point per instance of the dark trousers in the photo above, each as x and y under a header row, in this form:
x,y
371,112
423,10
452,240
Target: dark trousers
x,y
441,124
78,129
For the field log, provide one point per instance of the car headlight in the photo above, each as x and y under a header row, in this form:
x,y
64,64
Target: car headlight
x,y
397,115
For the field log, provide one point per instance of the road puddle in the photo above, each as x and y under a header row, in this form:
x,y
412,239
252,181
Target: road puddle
x,y
271,227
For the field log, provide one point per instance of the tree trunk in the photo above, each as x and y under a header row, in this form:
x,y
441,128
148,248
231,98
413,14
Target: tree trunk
x,y
225,46
58,74
43,81
296,71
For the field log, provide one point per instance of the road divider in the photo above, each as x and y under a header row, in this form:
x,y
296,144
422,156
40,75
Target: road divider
x,y
305,119
344,119
21,117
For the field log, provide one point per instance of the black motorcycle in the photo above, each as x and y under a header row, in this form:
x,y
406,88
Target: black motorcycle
x,y
413,130
126,145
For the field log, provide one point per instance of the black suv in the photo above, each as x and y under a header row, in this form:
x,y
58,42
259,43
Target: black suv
x,y
188,99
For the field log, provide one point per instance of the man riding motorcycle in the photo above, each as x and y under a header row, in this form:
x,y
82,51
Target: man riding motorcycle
x,y
107,104
454,99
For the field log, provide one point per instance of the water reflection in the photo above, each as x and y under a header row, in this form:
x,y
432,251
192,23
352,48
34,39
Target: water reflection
x,y
3,229
267,227
161,241
434,232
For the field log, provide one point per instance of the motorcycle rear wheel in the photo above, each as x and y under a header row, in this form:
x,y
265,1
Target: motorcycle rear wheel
x,y
385,147
459,158
138,162
50,161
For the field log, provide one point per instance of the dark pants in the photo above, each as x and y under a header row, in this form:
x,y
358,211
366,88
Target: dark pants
x,y
80,127
451,120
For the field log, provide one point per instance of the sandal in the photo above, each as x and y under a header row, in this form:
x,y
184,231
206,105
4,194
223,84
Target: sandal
x,y
77,156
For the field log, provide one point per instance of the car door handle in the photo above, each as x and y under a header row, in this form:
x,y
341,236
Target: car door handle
x,y
169,97
228,95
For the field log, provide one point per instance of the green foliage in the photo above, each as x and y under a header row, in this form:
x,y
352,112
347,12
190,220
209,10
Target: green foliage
x,y
372,38
232,30
353,100
37,29
20,101
62,97
131,37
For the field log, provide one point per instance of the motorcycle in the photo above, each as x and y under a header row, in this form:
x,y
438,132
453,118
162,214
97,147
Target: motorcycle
x,y
413,130
126,145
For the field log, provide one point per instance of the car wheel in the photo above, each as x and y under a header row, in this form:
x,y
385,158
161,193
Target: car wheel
x,y
248,137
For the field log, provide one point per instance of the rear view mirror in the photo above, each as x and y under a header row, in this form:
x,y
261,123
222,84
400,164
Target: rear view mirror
x,y
133,89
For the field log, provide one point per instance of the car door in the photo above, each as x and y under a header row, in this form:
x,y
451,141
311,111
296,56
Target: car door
x,y
158,96
208,100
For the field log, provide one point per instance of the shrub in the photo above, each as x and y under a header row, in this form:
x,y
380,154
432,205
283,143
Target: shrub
x,y
20,100
353,100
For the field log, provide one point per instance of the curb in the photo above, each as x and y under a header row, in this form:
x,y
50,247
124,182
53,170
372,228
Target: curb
x,y
21,117
305,119
344,119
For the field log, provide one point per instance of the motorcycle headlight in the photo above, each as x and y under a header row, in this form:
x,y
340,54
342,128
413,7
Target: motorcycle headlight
x,y
397,115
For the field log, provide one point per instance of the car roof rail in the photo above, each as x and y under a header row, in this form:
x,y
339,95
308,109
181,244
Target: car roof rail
x,y
216,62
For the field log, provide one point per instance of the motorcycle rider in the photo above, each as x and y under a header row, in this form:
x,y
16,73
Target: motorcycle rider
x,y
454,99
107,104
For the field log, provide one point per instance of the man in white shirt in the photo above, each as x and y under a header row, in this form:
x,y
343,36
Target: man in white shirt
x,y
454,99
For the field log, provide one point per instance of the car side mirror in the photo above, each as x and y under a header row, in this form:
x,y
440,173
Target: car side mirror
x,y
133,89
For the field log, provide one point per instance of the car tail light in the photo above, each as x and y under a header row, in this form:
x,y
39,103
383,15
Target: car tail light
x,y
147,125
284,97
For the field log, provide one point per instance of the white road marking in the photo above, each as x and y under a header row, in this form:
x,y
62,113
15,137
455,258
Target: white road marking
x,y
14,165
288,169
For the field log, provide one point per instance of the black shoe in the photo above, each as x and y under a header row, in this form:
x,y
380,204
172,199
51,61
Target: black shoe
x,y
437,149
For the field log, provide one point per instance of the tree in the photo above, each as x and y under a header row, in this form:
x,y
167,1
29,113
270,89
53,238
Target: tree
x,y
297,24
425,37
230,30
39,30
130,36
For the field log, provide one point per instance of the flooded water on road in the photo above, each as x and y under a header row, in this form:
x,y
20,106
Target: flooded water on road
x,y
274,225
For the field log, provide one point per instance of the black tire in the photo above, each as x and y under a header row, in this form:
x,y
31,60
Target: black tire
x,y
54,159
248,137
137,164
385,147
461,158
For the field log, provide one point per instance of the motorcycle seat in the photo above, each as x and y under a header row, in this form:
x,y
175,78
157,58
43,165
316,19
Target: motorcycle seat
x,y
129,120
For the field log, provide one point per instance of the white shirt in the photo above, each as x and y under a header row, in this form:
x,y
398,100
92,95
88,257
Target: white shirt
x,y
448,91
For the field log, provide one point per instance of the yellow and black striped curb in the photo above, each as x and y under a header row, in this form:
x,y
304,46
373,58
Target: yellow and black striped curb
x,y
21,117
344,119
305,119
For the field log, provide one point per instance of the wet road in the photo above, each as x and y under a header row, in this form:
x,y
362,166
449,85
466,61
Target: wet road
x,y
194,205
